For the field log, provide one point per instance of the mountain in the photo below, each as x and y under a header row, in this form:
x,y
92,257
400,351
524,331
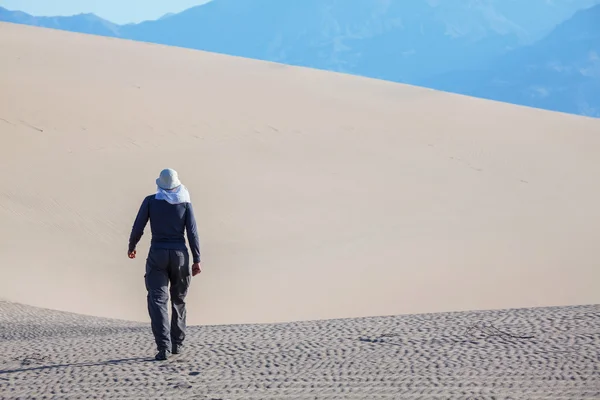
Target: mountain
x,y
541,16
423,42
82,23
167,15
561,72
395,40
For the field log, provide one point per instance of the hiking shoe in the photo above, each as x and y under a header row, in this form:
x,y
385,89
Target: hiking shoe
x,y
176,349
162,355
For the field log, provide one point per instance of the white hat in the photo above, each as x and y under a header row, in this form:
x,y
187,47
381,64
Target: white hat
x,y
168,179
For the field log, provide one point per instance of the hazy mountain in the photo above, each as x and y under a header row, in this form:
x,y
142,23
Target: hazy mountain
x,y
540,17
167,15
561,72
427,42
390,39
83,23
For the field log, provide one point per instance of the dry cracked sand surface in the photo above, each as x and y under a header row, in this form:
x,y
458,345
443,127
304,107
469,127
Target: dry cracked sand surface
x,y
525,354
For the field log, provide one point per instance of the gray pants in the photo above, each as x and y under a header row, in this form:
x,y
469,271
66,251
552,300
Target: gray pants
x,y
163,267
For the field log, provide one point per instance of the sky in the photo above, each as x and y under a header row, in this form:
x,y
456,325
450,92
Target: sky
x,y
118,11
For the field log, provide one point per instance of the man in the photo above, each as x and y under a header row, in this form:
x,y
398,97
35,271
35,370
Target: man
x,y
170,213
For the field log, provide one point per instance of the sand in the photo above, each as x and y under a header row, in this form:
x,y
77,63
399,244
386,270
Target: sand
x,y
342,202
526,354
317,195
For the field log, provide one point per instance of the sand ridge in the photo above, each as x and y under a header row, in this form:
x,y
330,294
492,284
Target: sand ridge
x,y
318,195
545,353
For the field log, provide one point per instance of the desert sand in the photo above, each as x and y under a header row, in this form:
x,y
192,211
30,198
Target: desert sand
x,y
525,354
318,195
330,208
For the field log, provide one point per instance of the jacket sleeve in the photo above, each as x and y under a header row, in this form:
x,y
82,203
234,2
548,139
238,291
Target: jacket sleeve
x,y
139,224
192,233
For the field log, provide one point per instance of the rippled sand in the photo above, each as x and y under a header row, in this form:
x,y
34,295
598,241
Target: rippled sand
x,y
544,353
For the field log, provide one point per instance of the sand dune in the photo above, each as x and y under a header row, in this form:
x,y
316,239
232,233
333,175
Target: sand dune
x,y
545,353
318,195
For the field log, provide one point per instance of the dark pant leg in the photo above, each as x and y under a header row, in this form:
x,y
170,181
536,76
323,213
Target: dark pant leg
x,y
157,281
180,275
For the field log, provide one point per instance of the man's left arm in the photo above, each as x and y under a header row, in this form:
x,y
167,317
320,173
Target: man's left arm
x,y
193,240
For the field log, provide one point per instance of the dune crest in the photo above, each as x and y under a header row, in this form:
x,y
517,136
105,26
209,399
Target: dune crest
x,y
318,195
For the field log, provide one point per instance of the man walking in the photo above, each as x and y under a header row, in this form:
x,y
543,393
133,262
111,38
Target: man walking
x,y
170,213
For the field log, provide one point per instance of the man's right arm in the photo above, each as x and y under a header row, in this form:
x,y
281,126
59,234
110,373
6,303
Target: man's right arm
x,y
137,231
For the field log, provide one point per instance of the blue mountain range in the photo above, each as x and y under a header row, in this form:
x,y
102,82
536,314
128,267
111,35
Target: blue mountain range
x,y
536,53
560,72
83,23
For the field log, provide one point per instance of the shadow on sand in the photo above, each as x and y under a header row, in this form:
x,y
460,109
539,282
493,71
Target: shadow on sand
x,y
84,364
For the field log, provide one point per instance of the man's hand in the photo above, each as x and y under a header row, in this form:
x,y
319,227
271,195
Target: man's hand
x,y
131,254
196,269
